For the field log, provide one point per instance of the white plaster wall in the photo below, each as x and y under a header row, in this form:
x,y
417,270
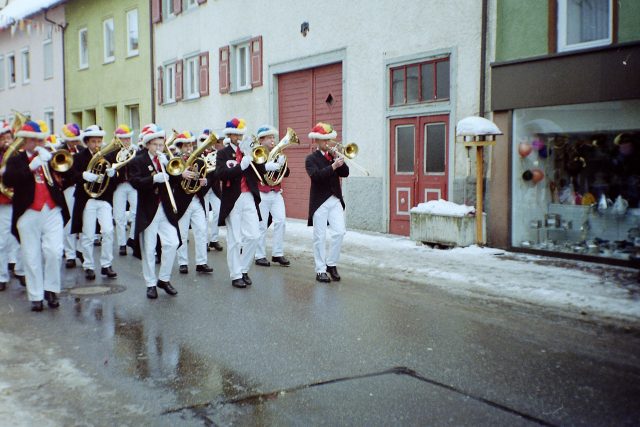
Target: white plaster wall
x,y
39,94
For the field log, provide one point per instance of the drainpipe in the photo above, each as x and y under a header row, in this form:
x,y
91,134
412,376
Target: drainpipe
x,y
483,57
64,85
151,62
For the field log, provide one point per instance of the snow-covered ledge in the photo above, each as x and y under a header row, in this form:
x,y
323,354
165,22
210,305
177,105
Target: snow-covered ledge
x,y
444,223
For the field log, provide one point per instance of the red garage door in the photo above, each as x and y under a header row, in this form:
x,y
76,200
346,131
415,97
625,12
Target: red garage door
x,y
304,98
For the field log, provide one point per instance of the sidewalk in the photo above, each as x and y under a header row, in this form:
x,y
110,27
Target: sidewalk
x,y
573,288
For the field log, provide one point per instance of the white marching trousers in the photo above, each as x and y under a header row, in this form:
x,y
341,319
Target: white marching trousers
x,y
242,235
272,202
102,211
160,226
70,240
15,255
124,193
212,205
194,215
5,241
41,236
331,211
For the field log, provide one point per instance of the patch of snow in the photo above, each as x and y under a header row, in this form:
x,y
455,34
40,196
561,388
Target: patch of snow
x,y
443,207
20,9
474,126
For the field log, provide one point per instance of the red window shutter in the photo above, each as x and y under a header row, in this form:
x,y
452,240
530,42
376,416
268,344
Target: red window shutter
x,y
255,46
179,80
224,71
177,7
156,11
160,88
204,74
202,1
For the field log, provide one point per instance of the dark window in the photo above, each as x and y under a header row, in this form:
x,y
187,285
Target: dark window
x,y
421,82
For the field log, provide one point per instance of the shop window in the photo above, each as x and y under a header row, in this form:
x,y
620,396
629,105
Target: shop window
x,y
584,23
576,179
420,82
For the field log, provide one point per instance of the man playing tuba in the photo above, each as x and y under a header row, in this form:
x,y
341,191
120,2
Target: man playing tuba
x,y
124,193
271,202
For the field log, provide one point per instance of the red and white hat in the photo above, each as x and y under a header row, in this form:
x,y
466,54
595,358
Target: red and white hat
x,y
5,127
184,136
31,129
322,131
151,131
123,131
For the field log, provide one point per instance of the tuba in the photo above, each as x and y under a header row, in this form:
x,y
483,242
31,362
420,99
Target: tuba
x,y
99,165
197,164
275,178
18,120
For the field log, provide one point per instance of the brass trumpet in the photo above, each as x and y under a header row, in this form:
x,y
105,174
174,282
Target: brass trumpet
x,y
348,152
176,164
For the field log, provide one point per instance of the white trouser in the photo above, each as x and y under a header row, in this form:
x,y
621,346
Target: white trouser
x,y
5,241
123,194
242,235
160,226
41,235
212,204
70,240
100,210
331,211
15,255
194,215
272,202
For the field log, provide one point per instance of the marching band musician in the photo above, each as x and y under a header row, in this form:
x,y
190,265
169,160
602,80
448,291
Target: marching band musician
x,y
212,203
124,193
155,217
191,212
326,204
5,214
271,203
39,214
70,137
87,209
239,209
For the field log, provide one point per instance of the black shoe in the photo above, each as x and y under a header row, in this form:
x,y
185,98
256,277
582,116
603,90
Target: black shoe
x,y
333,272
11,266
97,242
21,279
36,306
281,260
246,279
263,262
70,263
167,287
52,299
183,269
89,274
152,292
215,245
322,277
204,268
108,271
3,286
131,243
123,250
238,283
79,256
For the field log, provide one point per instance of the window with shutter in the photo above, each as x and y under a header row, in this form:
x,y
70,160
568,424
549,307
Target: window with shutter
x,y
256,61
224,73
156,11
160,86
204,74
179,80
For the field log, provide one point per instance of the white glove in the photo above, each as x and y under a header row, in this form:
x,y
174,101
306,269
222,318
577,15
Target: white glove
x,y
35,163
110,172
272,166
245,146
44,154
88,176
161,177
281,160
163,159
246,161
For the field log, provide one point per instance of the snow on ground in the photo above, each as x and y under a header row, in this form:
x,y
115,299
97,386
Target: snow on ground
x,y
572,287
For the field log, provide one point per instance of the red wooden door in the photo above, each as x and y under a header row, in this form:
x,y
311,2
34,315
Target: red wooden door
x,y
304,98
418,166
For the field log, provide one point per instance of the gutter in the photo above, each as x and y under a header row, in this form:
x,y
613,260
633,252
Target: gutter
x,y
64,72
483,58
152,63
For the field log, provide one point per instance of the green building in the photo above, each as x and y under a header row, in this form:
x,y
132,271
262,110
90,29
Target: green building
x,y
107,63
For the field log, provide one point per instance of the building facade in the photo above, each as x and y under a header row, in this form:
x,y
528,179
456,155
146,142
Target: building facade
x,y
394,80
107,58
31,65
565,89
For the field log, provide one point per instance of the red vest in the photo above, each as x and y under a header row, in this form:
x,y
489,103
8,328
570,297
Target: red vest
x,y
41,196
244,187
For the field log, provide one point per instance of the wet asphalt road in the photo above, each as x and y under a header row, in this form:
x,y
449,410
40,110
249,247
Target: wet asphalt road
x,y
291,351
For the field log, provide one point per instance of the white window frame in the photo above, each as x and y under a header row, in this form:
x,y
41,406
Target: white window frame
x,y
49,118
168,8
191,4
237,61
169,83
47,44
106,37
130,21
2,73
191,71
83,65
135,128
563,45
26,65
11,62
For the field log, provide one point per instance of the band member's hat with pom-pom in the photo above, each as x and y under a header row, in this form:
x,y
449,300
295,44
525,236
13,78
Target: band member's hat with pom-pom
x,y
266,130
31,129
204,135
322,131
5,127
151,131
93,131
123,131
52,142
184,137
70,132
235,127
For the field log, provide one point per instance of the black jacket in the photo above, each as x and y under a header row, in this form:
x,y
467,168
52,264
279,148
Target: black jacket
x,y
19,177
183,199
142,171
230,178
325,182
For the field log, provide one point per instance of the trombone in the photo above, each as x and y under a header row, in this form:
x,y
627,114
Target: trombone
x,y
348,153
